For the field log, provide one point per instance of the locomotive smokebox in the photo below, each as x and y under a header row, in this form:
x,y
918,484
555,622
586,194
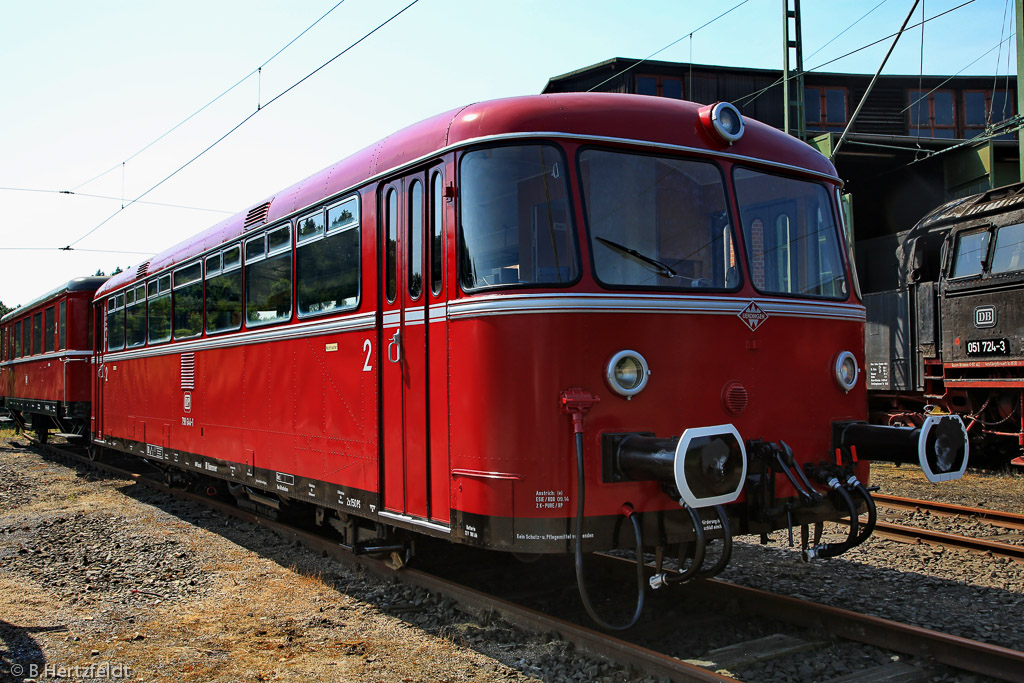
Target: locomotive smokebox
x,y
707,465
939,445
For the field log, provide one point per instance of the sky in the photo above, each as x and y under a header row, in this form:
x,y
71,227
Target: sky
x,y
86,85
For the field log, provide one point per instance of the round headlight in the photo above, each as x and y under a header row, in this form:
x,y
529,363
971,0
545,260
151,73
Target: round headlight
x,y
846,371
728,122
627,373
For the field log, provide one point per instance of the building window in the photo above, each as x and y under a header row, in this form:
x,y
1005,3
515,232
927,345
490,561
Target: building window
x,y
983,108
825,109
932,114
660,86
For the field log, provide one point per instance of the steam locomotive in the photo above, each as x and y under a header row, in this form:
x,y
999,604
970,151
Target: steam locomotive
x,y
950,331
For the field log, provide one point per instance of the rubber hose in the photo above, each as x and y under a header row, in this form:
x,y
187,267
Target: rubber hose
x,y
580,582
868,528
698,553
726,554
836,549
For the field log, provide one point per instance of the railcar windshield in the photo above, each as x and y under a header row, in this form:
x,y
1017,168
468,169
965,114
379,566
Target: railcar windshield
x,y
792,242
516,225
657,222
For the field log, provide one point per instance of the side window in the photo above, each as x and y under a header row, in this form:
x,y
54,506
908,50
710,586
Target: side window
x,y
135,317
188,301
62,315
115,323
268,277
1008,253
159,318
971,251
224,290
37,333
391,244
436,232
17,339
26,337
49,329
414,230
327,259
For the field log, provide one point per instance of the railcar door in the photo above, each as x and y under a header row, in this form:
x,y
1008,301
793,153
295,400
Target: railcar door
x,y
405,299
97,336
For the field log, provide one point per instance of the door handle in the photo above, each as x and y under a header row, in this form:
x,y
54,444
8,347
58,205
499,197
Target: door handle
x,y
396,344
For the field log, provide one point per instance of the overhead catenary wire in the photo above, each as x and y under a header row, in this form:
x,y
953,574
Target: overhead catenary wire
x,y
925,95
750,97
93,251
867,93
116,199
246,120
674,42
201,109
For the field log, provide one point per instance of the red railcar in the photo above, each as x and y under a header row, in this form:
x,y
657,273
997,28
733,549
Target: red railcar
x,y
514,323
45,353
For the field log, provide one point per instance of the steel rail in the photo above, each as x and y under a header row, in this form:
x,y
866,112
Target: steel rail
x,y
961,653
475,602
1010,520
900,532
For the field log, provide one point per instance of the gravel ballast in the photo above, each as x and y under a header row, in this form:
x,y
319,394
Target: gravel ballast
x,y
97,571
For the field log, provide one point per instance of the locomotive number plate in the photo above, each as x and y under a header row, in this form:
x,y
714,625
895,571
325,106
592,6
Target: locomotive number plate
x,y
988,347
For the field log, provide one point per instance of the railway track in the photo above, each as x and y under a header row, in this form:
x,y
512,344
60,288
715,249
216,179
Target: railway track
x,y
998,518
953,651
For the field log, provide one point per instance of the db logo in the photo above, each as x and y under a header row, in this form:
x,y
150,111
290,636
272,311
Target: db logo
x,y
188,402
985,316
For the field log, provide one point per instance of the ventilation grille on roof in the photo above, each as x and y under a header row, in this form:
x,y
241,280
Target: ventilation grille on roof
x,y
258,215
142,270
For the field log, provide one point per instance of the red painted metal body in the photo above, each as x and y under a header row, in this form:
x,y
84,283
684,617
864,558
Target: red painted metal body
x,y
438,410
46,376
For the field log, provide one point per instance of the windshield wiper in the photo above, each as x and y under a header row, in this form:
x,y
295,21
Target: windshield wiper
x,y
658,267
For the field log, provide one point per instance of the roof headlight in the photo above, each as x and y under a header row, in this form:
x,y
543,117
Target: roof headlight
x,y
627,373
846,371
723,120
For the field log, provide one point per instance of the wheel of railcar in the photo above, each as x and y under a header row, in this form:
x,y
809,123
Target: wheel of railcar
x,y
94,452
43,435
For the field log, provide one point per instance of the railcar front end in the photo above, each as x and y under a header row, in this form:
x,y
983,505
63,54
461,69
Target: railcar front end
x,y
667,334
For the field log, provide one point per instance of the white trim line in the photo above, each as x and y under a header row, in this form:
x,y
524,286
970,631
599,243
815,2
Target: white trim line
x,y
515,304
354,323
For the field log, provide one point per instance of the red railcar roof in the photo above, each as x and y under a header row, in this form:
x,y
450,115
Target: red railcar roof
x,y
633,118
79,284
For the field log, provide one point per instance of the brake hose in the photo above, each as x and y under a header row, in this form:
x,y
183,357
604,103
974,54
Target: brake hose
x,y
826,550
580,582
866,530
